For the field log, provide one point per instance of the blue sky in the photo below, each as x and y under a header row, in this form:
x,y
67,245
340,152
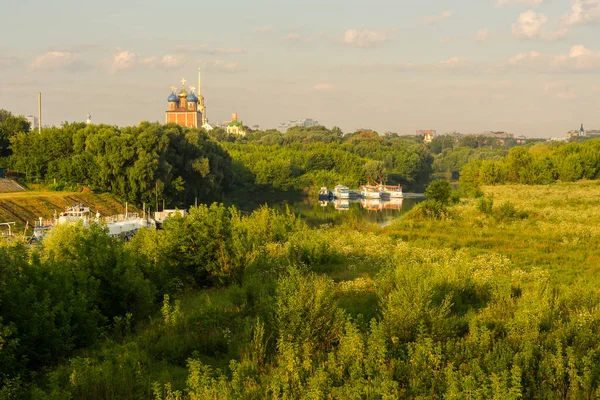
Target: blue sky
x,y
529,67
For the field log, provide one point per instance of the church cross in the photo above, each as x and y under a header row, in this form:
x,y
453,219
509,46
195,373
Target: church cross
x,y
183,81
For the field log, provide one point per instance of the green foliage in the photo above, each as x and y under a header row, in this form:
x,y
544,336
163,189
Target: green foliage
x,y
309,157
440,196
486,205
538,164
441,192
132,162
10,126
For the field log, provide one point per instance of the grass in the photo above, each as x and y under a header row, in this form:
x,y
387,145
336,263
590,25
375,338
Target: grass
x,y
23,207
561,233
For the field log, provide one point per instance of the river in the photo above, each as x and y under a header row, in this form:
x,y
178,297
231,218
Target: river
x,y
335,212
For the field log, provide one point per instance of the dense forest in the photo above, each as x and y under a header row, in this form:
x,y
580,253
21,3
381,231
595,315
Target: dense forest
x,y
134,163
537,164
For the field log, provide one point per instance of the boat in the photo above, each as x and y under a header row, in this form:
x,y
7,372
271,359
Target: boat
x,y
325,193
370,192
341,192
121,226
391,192
342,204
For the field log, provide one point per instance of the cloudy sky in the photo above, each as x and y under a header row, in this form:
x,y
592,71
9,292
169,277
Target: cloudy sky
x,y
529,67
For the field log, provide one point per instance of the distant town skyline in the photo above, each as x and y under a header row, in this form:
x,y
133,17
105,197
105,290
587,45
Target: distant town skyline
x,y
529,67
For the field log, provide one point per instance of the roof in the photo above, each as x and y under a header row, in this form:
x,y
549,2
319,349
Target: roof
x,y
235,123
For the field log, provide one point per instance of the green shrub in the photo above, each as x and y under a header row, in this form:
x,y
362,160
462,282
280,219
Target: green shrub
x,y
485,205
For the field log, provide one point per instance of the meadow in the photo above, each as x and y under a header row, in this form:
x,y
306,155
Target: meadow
x,y
497,299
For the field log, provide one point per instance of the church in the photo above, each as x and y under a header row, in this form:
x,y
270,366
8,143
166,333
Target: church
x,y
186,108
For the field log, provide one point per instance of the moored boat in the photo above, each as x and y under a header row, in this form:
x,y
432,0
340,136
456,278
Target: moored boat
x,y
392,192
324,193
341,192
370,192
122,225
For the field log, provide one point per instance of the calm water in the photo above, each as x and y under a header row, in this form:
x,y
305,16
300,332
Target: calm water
x,y
316,212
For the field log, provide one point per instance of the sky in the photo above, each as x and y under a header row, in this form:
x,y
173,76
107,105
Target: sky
x,y
528,67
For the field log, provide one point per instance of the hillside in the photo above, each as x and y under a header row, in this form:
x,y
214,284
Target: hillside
x,y
21,207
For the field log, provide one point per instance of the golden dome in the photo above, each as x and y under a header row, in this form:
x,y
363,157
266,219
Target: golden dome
x,y
183,93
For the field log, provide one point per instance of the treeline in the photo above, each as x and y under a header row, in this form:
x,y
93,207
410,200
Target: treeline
x,y
135,163
80,285
10,125
539,164
314,157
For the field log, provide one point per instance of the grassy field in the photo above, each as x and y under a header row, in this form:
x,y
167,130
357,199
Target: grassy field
x,y
23,207
560,232
475,295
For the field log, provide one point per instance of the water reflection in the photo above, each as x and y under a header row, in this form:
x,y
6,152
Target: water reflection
x,y
317,212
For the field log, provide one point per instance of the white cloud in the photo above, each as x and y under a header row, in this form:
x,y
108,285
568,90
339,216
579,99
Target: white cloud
x,y
529,25
172,61
582,12
482,35
436,19
54,60
528,3
453,62
292,37
226,66
365,38
323,86
579,58
123,59
525,58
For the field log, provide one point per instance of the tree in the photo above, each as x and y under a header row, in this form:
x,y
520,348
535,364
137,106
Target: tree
x,y
10,126
441,192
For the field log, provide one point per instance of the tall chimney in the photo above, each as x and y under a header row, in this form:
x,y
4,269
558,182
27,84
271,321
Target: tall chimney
x,y
40,112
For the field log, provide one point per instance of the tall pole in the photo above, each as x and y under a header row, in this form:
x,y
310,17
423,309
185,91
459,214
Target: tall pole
x,y
40,112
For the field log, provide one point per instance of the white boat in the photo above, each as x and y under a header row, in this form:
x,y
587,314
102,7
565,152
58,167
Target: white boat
x,y
324,193
370,192
341,192
122,225
392,192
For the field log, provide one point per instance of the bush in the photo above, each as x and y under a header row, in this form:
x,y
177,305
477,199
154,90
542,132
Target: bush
x,y
486,205
508,211
441,192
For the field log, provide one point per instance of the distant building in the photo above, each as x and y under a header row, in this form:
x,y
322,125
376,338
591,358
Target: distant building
x,y
235,127
88,121
428,134
574,133
187,109
305,122
498,135
183,108
521,139
33,121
